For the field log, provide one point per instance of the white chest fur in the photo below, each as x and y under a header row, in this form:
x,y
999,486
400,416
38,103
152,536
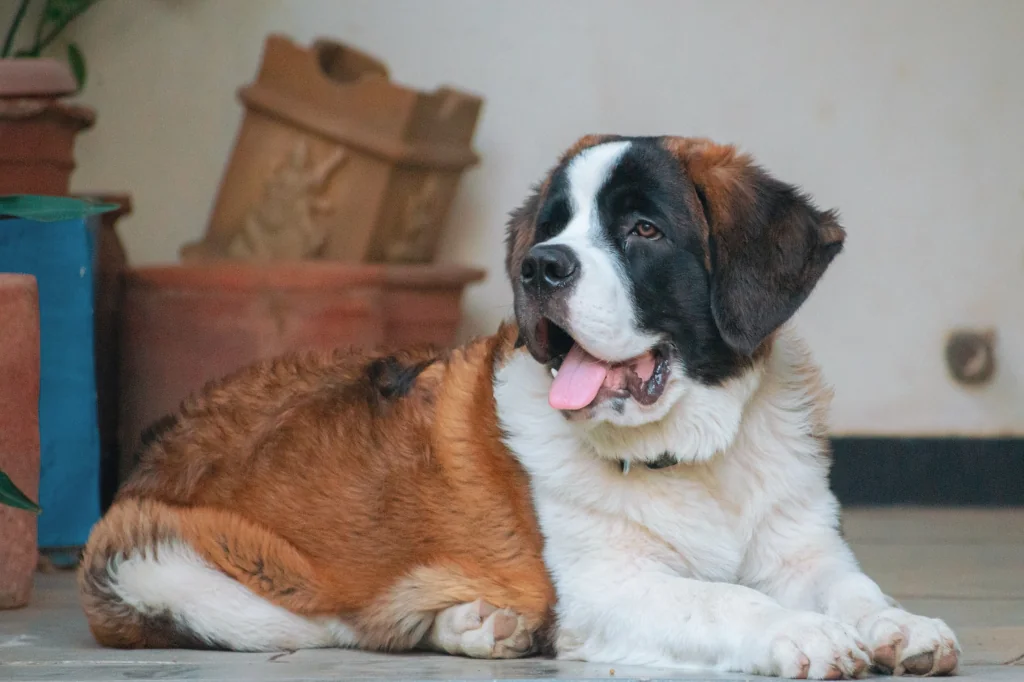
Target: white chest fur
x,y
745,448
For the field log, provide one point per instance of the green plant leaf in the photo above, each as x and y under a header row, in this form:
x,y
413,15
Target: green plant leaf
x,y
12,497
12,30
56,16
77,62
53,10
51,209
58,11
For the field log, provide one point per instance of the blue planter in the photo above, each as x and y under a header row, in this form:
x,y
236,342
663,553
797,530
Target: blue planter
x,y
61,255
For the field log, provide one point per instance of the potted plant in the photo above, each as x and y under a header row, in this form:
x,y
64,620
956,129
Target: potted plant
x,y
37,129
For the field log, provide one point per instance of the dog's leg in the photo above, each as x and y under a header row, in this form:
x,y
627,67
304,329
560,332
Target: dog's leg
x,y
616,608
804,563
441,607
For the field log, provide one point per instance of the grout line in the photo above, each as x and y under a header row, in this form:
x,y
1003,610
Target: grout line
x,y
1015,661
938,544
1013,596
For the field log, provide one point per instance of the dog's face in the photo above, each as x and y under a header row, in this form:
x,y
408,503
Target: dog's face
x,y
644,266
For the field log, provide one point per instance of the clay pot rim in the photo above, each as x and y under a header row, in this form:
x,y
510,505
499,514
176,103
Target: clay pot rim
x,y
298,276
323,48
19,279
35,77
34,108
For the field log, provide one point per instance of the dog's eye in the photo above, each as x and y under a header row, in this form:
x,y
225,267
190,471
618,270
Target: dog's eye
x,y
646,230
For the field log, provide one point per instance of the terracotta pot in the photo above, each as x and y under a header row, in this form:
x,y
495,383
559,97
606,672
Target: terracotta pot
x,y
185,325
19,432
335,161
37,131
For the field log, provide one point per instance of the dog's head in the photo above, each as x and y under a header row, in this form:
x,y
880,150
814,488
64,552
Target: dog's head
x,y
642,266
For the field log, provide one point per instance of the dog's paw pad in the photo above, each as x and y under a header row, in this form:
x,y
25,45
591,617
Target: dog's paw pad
x,y
921,664
469,616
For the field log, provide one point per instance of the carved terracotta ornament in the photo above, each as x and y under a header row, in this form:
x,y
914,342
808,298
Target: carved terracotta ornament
x,y
404,154
287,223
411,244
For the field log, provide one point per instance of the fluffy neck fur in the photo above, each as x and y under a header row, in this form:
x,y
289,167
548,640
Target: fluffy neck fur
x,y
781,391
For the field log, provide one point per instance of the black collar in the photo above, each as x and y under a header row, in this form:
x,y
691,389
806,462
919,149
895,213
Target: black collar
x,y
666,460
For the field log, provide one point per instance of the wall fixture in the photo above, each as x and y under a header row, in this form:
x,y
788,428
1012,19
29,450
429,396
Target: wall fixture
x,y
970,356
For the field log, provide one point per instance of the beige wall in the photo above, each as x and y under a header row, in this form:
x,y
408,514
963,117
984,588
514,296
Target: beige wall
x,y
905,115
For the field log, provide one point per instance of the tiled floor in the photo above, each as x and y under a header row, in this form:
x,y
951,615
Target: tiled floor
x,y
963,565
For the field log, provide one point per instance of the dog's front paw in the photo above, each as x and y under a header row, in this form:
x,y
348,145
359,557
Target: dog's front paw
x,y
904,644
805,645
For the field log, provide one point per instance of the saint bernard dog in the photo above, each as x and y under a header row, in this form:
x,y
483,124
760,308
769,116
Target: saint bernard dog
x,y
635,471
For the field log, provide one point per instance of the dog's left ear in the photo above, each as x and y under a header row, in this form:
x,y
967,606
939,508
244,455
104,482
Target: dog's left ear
x,y
769,245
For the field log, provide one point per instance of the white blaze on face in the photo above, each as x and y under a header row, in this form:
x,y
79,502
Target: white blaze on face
x,y
601,310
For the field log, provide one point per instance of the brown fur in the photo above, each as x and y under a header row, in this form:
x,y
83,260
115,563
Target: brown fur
x,y
375,489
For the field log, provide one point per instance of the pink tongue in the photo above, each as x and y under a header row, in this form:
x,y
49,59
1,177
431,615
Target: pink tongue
x,y
579,379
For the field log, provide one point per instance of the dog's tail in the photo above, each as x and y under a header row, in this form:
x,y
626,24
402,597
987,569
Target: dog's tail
x,y
159,576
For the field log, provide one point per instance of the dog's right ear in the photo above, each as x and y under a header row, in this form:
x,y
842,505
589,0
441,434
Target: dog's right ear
x,y
768,244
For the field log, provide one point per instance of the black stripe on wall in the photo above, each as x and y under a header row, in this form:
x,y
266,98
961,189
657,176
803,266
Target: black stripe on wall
x,y
986,472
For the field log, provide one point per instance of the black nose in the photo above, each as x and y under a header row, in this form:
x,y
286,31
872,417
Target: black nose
x,y
548,266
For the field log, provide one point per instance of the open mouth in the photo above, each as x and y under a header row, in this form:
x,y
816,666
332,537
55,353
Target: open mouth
x,y
581,380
